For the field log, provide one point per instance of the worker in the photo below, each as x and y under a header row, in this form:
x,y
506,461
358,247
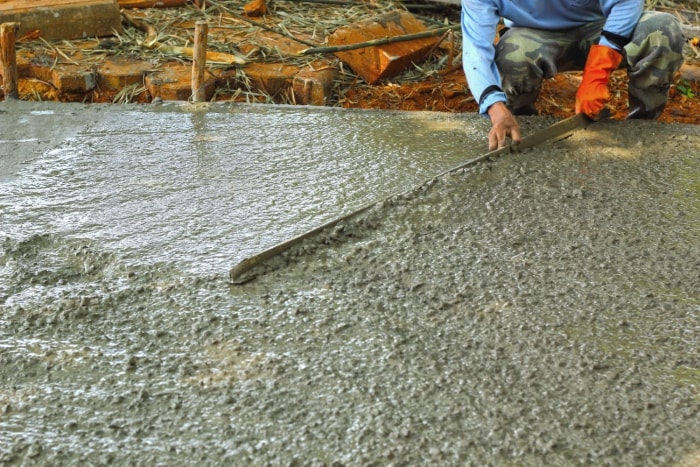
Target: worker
x,y
542,38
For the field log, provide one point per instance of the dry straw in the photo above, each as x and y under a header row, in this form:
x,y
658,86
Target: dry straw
x,y
162,35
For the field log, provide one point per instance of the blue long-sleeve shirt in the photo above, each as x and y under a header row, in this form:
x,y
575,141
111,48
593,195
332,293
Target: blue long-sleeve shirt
x,y
480,21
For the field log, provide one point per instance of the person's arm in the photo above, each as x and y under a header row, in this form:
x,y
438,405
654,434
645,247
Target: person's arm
x,y
621,17
479,24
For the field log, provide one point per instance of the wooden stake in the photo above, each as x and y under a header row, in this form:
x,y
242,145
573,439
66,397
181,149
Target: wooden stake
x,y
8,58
201,29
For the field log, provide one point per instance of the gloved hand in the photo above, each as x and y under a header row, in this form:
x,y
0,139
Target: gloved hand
x,y
593,91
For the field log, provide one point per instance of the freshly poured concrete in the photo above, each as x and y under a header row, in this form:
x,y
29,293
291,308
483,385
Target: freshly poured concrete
x,y
225,181
539,309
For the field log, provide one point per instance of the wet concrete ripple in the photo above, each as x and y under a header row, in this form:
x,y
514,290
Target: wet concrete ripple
x,y
541,309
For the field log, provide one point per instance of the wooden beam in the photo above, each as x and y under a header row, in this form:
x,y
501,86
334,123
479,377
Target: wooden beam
x,y
63,19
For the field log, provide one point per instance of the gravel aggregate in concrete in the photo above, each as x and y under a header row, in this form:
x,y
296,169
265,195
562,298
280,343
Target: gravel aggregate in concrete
x,y
541,309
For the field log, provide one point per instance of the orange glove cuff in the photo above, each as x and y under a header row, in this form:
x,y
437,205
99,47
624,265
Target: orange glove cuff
x,y
593,91
601,57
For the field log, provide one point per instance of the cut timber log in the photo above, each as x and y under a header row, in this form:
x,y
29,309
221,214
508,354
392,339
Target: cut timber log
x,y
63,19
380,62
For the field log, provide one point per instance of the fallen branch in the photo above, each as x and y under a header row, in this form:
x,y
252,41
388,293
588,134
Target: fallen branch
x,y
140,25
382,41
150,3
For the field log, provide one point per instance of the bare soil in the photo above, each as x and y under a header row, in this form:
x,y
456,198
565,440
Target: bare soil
x,y
449,93
440,88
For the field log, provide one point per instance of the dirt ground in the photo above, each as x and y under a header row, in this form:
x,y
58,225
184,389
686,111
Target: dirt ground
x,y
449,93
441,88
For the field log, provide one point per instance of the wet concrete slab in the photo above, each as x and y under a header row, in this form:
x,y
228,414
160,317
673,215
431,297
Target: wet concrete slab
x,y
148,173
541,309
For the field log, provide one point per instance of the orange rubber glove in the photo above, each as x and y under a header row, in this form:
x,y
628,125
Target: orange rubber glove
x,y
593,91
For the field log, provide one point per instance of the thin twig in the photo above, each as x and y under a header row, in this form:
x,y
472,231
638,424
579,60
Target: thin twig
x,y
382,41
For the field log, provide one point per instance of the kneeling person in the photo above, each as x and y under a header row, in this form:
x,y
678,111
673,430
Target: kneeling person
x,y
544,38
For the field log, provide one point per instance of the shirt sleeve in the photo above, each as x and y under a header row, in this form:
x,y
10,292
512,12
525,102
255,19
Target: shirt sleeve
x,y
479,23
622,17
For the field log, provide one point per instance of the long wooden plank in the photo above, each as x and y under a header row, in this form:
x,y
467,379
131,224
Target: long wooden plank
x,y
63,19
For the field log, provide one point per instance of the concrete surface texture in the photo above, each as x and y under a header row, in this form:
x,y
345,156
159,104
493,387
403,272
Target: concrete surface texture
x,y
540,309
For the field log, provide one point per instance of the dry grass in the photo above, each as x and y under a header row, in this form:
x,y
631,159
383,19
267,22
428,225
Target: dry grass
x,y
306,23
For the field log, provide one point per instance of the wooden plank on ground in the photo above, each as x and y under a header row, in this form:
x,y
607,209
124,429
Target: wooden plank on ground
x,y
385,61
63,19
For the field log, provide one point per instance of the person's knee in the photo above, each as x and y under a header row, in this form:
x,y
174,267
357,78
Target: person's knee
x,y
511,59
659,29
524,58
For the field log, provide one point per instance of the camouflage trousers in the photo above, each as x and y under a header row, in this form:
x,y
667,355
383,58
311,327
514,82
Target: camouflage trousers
x,y
526,56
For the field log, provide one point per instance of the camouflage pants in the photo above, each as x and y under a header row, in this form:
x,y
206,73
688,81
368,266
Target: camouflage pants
x,y
526,56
